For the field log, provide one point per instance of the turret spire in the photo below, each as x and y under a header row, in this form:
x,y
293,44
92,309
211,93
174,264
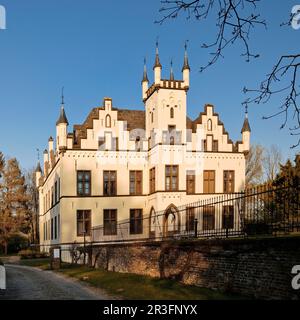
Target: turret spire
x,y
145,77
246,125
157,62
62,117
171,71
186,61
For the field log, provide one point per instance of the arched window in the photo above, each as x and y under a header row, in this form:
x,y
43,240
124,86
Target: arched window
x,y
108,121
152,223
137,143
209,125
171,221
172,113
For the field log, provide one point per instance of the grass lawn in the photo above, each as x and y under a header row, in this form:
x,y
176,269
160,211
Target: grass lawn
x,y
132,286
43,263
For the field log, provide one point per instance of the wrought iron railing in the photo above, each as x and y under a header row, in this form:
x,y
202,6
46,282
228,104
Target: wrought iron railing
x,y
259,211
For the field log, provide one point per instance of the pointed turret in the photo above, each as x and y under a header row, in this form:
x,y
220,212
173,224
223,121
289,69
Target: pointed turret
x,y
62,117
38,174
145,81
157,67
46,162
61,126
246,133
171,71
246,125
186,68
38,168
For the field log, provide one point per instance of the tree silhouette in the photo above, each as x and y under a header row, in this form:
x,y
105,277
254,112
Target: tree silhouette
x,y
236,20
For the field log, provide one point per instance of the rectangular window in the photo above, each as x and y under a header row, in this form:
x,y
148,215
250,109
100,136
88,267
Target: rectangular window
x,y
208,218
58,226
152,180
209,181
190,219
228,217
52,197
215,146
190,181
55,192
228,181
110,222
172,134
136,182
109,183
101,143
55,227
204,145
52,229
136,221
83,183
171,182
116,144
83,223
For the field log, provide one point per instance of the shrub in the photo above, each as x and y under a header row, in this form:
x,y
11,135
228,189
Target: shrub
x,y
17,242
32,254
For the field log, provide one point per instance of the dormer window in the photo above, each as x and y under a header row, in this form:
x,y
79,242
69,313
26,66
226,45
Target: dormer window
x,y
172,113
108,121
209,125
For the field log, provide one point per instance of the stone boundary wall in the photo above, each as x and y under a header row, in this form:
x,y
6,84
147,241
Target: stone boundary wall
x,y
259,268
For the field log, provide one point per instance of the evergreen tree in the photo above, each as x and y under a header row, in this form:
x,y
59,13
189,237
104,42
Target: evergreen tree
x,y
13,205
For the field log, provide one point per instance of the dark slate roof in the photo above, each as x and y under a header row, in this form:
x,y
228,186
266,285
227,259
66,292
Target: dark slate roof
x,y
135,118
186,63
62,117
157,62
38,168
145,77
246,126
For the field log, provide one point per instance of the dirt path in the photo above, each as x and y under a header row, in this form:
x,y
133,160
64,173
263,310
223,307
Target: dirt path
x,y
27,283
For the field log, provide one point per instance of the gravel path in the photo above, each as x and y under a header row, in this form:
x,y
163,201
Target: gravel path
x,y
27,283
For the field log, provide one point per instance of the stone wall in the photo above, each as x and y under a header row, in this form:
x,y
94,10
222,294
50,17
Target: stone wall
x,y
257,268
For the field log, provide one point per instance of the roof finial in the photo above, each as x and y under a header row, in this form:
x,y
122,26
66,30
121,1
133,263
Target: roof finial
x,y
186,61
38,166
62,116
145,77
171,71
62,96
157,62
246,125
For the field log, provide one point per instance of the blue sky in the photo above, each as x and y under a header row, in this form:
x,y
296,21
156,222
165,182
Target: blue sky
x,y
96,48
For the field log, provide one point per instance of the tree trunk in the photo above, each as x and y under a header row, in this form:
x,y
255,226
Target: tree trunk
x,y
5,247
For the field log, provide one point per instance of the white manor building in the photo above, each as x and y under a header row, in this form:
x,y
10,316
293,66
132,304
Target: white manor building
x,y
131,164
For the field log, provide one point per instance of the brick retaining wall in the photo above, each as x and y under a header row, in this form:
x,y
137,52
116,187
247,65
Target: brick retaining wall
x,y
257,268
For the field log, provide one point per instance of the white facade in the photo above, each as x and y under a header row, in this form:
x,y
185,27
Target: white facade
x,y
113,142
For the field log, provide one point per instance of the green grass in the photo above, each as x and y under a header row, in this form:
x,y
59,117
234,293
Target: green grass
x,y
43,263
132,286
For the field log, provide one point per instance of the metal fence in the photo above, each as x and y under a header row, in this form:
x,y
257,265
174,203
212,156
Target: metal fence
x,y
263,210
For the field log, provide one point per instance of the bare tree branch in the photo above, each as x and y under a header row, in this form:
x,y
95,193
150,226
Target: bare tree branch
x,y
283,80
235,19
